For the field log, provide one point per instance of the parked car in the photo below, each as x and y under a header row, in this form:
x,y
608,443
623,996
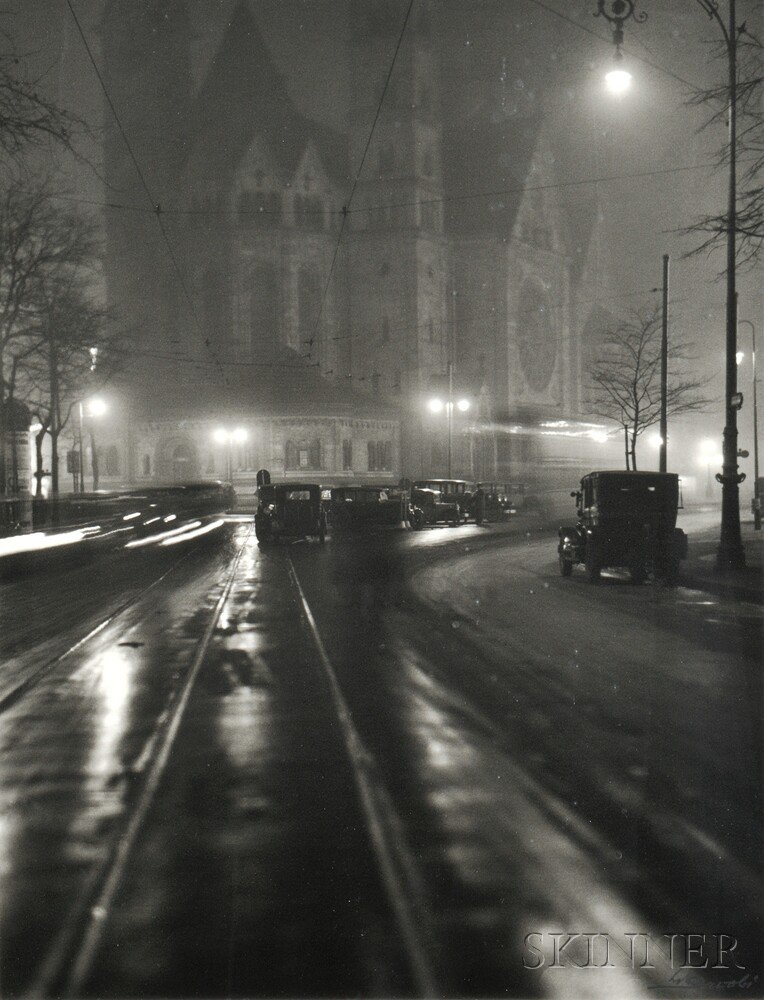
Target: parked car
x,y
458,491
434,507
499,500
625,519
288,510
360,507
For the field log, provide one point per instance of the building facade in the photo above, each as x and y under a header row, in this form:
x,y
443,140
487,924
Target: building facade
x,y
300,315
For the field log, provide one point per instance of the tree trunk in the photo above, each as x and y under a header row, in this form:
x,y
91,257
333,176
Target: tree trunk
x,y
54,462
39,440
55,415
626,445
93,459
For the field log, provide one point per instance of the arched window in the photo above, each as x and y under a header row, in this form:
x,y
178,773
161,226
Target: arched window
x,y
309,310
537,340
146,465
291,455
309,212
112,461
259,208
264,311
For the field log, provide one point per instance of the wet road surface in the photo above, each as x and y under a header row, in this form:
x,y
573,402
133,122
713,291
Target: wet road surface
x,y
371,769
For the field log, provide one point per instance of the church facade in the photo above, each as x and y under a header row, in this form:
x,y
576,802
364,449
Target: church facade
x,y
315,290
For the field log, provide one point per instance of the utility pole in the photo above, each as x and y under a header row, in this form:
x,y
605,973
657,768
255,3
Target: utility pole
x,y
450,413
664,369
730,554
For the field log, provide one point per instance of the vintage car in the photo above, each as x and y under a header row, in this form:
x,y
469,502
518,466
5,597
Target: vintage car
x,y
458,491
625,519
499,501
367,507
430,506
288,510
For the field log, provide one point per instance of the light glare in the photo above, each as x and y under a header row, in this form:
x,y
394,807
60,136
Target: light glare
x,y
618,81
436,405
463,405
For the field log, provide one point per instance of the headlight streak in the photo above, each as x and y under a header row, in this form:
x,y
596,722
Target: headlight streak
x,y
195,533
38,541
161,535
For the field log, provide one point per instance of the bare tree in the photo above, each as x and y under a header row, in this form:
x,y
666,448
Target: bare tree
x,y
77,354
27,117
625,379
42,248
711,230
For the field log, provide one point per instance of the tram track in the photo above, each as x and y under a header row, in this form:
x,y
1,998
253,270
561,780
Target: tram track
x,y
401,878
73,956
67,963
11,696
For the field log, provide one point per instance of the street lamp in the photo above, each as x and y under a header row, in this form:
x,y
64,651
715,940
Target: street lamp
x,y
756,497
90,408
229,437
730,554
437,405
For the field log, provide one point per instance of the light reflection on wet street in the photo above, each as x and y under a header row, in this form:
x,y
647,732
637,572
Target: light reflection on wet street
x,y
549,757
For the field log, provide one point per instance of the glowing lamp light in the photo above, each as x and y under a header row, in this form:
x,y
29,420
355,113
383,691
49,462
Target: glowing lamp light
x,y
618,81
239,435
220,435
436,405
463,405
739,356
709,453
97,407
599,436
656,440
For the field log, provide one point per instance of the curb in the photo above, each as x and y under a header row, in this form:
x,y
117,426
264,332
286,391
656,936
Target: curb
x,y
722,587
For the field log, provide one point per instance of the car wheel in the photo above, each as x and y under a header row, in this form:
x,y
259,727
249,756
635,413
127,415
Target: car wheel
x,y
671,572
566,565
593,565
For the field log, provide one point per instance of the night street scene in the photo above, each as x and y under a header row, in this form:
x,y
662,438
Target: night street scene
x,y
380,503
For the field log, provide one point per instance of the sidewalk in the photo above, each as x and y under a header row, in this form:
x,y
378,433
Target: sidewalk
x,y
699,569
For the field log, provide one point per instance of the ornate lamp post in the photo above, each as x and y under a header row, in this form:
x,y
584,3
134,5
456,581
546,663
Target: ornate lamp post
x,y
756,495
730,554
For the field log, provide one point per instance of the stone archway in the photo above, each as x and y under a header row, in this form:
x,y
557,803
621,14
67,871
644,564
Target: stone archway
x,y
179,460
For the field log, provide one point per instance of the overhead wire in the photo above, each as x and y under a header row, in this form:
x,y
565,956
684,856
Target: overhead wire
x,y
155,206
346,208
467,196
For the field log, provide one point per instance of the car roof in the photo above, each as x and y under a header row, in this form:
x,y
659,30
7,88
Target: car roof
x,y
283,487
